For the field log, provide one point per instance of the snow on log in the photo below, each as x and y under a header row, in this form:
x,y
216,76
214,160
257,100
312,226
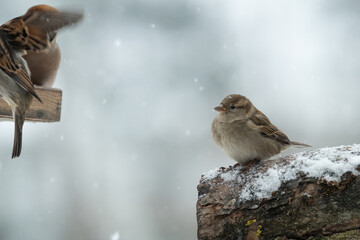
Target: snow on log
x,y
309,195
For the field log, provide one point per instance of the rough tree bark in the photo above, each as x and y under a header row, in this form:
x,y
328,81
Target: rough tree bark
x,y
265,203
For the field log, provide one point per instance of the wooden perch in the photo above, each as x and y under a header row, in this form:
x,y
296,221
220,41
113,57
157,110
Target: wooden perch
x,y
311,195
47,111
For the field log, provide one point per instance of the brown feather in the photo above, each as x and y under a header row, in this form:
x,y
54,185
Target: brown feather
x,y
19,119
268,129
31,31
13,68
299,144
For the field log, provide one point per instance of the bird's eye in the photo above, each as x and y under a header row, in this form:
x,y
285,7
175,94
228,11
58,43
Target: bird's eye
x,y
232,107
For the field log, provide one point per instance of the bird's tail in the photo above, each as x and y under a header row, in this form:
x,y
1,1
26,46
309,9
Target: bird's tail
x,y
19,119
299,144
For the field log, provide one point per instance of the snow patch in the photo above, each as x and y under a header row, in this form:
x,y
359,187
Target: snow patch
x,y
229,176
210,174
327,163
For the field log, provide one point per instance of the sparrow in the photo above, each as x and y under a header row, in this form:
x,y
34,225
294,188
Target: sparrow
x,y
45,64
30,32
245,133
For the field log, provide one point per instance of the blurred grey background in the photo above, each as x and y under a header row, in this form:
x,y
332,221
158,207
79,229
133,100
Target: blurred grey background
x,y
139,80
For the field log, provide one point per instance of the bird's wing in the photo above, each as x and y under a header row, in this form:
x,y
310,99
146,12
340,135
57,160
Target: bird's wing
x,y
262,124
12,67
24,36
31,31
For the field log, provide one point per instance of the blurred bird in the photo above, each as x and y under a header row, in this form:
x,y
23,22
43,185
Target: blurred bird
x,y
45,64
245,133
30,32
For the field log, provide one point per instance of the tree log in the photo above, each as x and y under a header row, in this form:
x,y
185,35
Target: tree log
x,y
310,195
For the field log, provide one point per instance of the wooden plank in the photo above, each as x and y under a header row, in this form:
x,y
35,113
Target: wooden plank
x,y
47,111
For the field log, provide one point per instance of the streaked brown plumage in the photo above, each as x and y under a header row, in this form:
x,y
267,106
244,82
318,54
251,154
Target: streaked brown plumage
x,y
245,133
30,32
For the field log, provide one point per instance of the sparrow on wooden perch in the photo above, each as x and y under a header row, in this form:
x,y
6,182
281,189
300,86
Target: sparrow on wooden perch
x,y
245,133
30,32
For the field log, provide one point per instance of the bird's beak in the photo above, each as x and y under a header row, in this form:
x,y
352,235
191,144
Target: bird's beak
x,y
220,109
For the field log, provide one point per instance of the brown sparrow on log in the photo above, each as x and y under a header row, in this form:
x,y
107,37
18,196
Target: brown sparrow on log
x,y
245,133
30,32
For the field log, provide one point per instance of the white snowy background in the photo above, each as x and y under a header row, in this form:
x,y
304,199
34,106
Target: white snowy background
x,y
139,80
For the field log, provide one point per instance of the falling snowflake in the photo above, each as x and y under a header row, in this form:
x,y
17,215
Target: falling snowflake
x,y
117,43
115,236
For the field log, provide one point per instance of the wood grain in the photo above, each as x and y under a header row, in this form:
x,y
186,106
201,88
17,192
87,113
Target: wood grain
x,y
47,111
